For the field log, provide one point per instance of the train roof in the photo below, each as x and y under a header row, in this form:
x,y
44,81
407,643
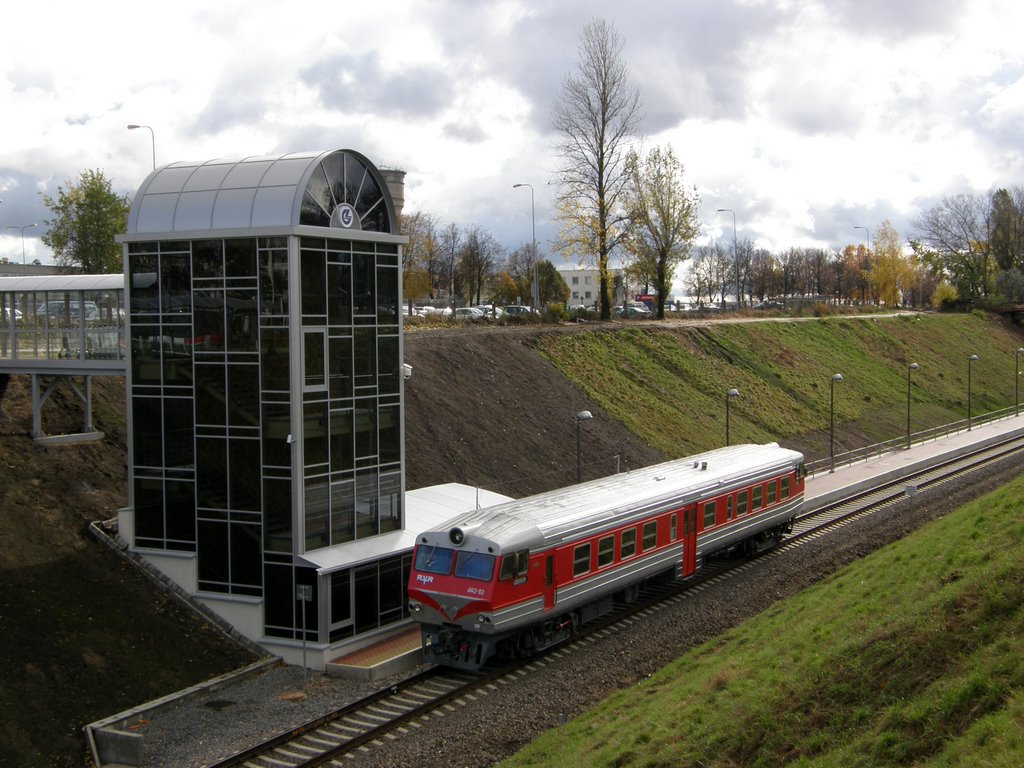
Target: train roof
x,y
556,516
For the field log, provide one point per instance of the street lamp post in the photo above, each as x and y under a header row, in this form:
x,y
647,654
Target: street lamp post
x,y
533,227
152,137
24,267
832,421
911,367
580,418
1016,380
729,396
970,360
735,253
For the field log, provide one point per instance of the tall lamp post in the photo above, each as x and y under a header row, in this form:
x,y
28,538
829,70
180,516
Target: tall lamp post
x,y
911,367
970,360
735,253
580,418
729,396
1016,380
533,226
24,268
152,137
832,421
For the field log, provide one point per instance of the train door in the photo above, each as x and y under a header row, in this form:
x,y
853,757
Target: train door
x,y
549,581
689,540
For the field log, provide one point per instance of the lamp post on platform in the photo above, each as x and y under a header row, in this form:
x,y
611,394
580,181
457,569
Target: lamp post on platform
x,y
1016,380
970,360
911,367
580,418
832,421
729,396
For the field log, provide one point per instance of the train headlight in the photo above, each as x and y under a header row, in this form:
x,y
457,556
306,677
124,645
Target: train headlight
x,y
415,607
483,618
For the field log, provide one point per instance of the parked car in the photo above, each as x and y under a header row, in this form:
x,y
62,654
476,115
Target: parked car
x,y
5,315
60,310
634,312
472,314
490,311
517,310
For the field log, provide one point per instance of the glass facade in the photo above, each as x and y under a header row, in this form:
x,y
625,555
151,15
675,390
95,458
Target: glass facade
x,y
266,419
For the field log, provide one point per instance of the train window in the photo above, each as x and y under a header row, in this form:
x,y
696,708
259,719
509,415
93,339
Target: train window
x,y
434,559
581,560
755,499
474,565
784,489
605,551
709,514
628,546
741,503
673,524
650,535
514,564
728,507
773,488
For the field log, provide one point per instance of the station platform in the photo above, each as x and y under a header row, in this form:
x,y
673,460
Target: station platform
x,y
395,652
825,487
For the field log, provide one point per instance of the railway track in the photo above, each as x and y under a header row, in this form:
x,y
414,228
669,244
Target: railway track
x,y
438,692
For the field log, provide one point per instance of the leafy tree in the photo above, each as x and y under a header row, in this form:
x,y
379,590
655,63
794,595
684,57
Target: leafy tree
x,y
87,215
1007,234
597,114
551,285
663,215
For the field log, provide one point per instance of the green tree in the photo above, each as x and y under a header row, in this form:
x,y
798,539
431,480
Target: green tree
x,y
596,116
551,284
664,218
87,215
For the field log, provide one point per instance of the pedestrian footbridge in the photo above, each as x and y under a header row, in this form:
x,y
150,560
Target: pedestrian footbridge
x,y
61,330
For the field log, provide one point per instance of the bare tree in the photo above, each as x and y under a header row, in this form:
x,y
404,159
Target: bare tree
x,y
449,241
957,232
477,265
596,116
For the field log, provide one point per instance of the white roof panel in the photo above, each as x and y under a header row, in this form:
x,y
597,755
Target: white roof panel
x,y
425,508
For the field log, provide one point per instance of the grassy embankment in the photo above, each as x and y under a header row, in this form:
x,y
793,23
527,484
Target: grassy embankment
x,y
911,656
668,385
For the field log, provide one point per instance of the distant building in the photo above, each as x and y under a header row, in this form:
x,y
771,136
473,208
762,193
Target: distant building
x,y
585,284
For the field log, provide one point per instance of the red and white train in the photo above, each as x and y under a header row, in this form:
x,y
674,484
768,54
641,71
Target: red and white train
x,y
517,577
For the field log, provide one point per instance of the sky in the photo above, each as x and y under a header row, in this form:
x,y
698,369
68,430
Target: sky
x,y
807,118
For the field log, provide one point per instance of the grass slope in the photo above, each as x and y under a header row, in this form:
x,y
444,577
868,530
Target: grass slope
x,y
914,655
668,385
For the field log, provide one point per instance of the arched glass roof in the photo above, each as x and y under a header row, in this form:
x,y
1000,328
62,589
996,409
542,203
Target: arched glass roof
x,y
339,189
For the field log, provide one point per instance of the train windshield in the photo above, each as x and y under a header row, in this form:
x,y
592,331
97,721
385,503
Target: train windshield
x,y
434,559
474,565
